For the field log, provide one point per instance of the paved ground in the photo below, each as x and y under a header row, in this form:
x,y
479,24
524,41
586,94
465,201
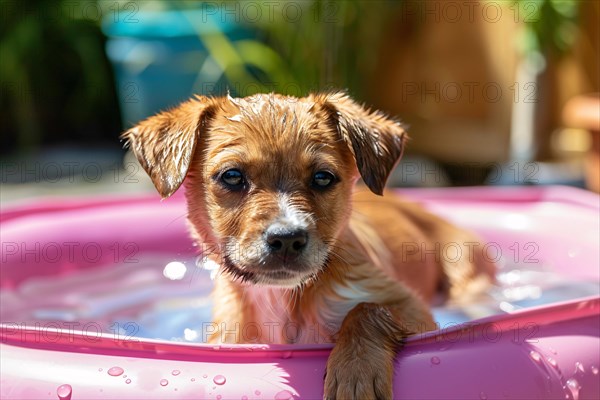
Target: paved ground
x,y
69,174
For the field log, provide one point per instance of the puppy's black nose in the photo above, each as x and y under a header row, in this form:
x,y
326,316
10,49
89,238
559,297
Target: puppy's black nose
x,y
286,242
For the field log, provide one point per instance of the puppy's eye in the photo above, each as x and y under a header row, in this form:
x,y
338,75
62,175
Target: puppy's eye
x,y
323,180
233,179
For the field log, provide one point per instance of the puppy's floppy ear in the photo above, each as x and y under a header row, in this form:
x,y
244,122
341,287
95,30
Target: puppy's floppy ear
x,y
164,144
375,140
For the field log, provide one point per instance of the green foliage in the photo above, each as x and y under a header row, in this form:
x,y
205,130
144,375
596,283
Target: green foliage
x,y
55,79
332,44
550,25
302,46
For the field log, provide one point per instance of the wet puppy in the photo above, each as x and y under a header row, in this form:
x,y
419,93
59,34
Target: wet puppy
x,y
305,255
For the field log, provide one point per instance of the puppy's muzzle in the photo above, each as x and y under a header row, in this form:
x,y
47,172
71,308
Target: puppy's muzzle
x,y
286,242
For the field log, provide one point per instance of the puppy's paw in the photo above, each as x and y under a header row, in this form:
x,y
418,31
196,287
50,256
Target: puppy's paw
x,y
352,375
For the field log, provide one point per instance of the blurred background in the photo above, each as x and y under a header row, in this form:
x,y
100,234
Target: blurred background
x,y
493,92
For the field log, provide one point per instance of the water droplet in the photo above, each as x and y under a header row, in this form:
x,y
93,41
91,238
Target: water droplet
x,y
284,395
579,367
573,252
219,397
64,392
175,270
190,334
244,397
124,376
128,381
115,371
193,379
482,396
435,360
257,392
552,351
99,369
535,356
175,372
219,380
205,376
553,362
574,387
594,370
164,382
286,354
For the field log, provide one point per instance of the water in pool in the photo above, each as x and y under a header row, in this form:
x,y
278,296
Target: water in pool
x,y
166,297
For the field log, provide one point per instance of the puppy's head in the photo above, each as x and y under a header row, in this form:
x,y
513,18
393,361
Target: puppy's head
x,y
268,178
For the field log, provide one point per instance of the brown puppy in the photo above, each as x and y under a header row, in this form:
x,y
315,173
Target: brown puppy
x,y
306,258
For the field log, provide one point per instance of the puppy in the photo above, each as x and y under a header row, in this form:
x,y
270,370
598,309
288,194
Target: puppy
x,y
306,256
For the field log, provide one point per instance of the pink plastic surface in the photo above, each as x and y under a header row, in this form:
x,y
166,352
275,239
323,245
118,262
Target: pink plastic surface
x,y
544,352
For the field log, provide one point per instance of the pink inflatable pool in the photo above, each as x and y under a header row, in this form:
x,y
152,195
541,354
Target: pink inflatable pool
x,y
102,298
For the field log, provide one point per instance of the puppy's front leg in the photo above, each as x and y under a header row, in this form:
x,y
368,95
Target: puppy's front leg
x,y
361,365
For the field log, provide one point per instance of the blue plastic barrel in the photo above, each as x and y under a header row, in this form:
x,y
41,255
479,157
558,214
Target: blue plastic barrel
x,y
159,58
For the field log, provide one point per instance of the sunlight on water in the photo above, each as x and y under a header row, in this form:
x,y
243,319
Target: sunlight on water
x,y
175,270
168,297
518,287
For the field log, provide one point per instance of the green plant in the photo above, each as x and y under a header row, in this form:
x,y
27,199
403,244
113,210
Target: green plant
x,y
57,85
550,26
303,46
55,79
333,44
